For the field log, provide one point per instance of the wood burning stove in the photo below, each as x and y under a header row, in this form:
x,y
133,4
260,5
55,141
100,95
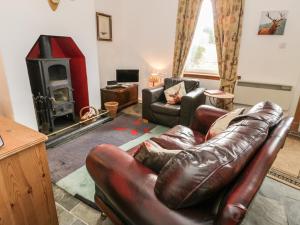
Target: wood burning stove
x,y
51,86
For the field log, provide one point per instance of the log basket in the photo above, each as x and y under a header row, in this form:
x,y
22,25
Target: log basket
x,y
88,115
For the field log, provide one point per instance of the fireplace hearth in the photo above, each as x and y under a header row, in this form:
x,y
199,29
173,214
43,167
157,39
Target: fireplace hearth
x,y
51,86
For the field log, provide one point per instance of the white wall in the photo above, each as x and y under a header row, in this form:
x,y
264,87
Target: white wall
x,y
261,58
21,23
110,53
143,38
5,102
146,32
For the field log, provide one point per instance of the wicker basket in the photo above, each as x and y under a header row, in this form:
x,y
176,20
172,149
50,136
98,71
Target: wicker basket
x,y
112,108
92,112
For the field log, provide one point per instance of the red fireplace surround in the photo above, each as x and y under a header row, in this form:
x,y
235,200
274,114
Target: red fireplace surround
x,y
65,47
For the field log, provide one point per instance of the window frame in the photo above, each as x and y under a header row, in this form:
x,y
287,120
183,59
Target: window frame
x,y
203,74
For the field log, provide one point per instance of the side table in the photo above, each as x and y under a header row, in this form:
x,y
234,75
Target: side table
x,y
215,95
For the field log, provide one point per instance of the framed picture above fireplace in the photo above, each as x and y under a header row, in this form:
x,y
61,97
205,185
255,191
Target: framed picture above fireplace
x,y
104,27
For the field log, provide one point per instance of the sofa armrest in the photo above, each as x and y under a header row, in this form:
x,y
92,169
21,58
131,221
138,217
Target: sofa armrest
x,y
238,199
129,186
151,95
189,104
205,116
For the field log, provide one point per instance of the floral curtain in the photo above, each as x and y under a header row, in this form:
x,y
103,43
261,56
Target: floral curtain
x,y
188,11
228,16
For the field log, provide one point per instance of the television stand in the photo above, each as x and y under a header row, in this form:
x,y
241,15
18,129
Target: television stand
x,y
124,95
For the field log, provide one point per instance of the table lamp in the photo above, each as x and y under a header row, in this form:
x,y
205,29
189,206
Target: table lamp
x,y
154,79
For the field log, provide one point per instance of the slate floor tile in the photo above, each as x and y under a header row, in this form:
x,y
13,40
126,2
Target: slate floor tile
x,y
87,214
64,199
292,209
79,222
64,217
265,211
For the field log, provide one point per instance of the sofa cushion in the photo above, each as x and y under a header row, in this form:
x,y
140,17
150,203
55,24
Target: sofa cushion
x,y
167,109
179,137
153,156
190,85
197,174
222,123
264,111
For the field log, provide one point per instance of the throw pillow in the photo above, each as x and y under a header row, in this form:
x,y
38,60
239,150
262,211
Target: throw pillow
x,y
222,123
153,156
175,93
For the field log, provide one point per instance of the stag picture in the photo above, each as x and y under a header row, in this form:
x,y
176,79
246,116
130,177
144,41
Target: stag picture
x,y
272,23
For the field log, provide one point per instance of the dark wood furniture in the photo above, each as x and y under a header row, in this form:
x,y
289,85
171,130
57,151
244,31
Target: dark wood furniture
x,y
125,96
26,195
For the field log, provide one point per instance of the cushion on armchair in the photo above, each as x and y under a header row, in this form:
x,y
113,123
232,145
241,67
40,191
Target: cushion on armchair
x,y
189,84
175,93
197,174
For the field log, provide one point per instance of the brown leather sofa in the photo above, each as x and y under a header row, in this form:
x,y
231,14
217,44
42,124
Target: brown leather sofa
x,y
125,188
156,110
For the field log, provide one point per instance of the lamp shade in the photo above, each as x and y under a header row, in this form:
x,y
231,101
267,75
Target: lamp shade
x,y
154,79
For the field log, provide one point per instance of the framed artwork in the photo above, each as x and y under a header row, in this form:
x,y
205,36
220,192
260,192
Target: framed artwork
x,y
104,27
272,22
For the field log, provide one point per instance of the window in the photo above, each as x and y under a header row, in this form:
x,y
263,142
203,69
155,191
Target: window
x,y
202,57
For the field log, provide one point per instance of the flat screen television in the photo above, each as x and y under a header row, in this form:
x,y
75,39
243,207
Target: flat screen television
x,y
127,76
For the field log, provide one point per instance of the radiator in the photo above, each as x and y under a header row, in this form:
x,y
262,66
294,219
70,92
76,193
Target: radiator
x,y
250,93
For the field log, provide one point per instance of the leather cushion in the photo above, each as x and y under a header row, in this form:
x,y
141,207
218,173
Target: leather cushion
x,y
164,108
222,123
264,111
189,84
153,156
179,137
197,174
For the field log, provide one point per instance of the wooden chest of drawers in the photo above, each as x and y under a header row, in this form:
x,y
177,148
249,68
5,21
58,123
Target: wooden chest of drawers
x,y
125,96
26,195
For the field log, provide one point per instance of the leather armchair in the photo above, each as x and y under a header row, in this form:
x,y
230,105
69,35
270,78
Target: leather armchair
x,y
125,188
156,110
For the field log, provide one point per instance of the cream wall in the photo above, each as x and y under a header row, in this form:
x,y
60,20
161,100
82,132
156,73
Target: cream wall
x,y
21,24
262,58
5,103
147,40
143,37
110,53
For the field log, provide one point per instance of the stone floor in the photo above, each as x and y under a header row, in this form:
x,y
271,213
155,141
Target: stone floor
x,y
71,211
274,204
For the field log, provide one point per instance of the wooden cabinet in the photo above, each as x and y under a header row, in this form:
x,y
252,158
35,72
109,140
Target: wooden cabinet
x,y
125,96
26,196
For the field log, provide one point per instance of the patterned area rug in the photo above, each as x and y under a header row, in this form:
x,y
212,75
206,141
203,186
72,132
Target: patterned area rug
x,y
79,182
286,168
68,157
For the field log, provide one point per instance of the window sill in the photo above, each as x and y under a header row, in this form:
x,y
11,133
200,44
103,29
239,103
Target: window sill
x,y
205,76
